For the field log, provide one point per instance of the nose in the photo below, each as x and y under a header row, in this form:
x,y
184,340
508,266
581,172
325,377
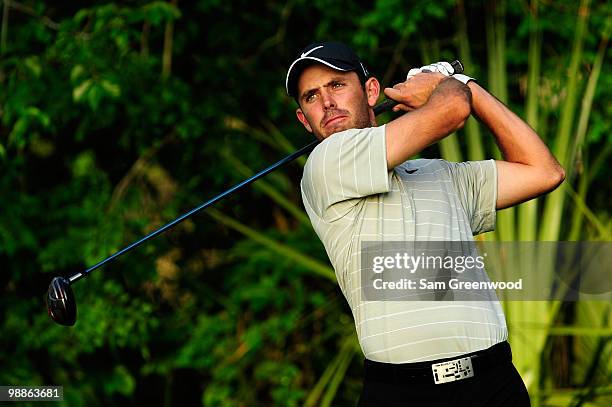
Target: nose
x,y
328,100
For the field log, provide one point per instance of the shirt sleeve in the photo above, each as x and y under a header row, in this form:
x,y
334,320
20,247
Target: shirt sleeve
x,y
476,185
346,166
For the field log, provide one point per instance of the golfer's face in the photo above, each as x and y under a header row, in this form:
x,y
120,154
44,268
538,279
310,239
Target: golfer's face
x,y
331,101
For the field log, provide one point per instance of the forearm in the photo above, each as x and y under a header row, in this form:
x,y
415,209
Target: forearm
x,y
517,141
444,112
529,168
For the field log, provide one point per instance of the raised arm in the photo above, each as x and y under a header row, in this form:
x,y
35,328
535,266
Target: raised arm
x,y
441,105
529,169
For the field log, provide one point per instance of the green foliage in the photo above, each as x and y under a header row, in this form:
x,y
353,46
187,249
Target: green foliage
x,y
118,117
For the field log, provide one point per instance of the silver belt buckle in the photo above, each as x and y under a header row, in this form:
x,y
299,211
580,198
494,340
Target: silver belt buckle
x,y
452,370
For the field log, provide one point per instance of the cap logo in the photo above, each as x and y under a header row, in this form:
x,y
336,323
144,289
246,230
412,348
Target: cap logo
x,y
365,71
314,49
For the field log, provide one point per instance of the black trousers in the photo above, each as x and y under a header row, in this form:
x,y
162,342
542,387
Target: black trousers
x,y
495,383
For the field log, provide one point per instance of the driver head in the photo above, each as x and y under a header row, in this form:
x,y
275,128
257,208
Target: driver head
x,y
60,302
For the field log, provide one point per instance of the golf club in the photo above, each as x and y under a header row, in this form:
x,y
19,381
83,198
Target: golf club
x,y
61,304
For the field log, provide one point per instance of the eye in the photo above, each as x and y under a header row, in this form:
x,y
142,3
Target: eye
x,y
310,97
337,85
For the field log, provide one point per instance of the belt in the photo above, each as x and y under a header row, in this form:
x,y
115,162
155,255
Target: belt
x,y
439,371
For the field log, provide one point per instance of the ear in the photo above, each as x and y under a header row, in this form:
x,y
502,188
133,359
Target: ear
x,y
302,118
372,88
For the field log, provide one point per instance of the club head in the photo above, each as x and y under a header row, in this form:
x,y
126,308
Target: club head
x,y
61,304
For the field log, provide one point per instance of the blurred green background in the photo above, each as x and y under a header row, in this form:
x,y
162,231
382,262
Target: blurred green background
x,y
116,117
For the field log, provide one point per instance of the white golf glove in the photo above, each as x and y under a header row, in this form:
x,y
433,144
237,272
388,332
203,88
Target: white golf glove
x,y
463,78
442,67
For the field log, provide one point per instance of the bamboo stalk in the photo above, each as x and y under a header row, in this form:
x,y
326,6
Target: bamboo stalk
x,y
553,208
237,124
5,19
496,47
597,390
581,331
144,39
490,41
475,148
605,233
587,103
583,185
578,216
315,394
315,266
495,25
273,137
534,63
281,141
269,190
500,48
593,355
397,54
573,330
346,354
168,44
449,145
540,313
528,212
449,148
337,368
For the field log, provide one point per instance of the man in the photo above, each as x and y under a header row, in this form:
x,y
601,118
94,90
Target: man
x,y
358,186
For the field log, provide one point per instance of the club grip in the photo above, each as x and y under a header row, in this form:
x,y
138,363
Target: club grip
x,y
388,104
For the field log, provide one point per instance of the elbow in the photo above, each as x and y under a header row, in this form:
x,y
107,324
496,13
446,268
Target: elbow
x,y
555,176
559,176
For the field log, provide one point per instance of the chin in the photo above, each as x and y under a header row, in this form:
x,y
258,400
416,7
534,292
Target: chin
x,y
338,129
324,136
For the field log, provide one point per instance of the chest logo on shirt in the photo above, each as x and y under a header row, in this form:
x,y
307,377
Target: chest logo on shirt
x,y
411,171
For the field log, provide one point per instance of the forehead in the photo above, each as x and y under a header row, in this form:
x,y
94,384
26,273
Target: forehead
x,y
318,75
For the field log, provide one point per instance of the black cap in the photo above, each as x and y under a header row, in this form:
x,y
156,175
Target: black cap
x,y
336,55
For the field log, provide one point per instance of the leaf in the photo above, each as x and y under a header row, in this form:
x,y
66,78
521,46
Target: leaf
x,y
81,15
113,89
83,164
94,96
39,115
33,64
121,381
76,72
79,92
158,12
17,135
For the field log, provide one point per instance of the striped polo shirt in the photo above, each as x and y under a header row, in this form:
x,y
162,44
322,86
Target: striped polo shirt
x,y
351,197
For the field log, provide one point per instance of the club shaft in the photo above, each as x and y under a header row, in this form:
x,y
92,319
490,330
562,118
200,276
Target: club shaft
x,y
384,106
304,150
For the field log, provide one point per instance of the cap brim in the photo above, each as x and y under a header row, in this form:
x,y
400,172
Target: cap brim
x,y
298,66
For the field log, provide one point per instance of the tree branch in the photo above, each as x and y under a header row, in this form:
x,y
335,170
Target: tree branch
x,y
168,38
5,14
30,11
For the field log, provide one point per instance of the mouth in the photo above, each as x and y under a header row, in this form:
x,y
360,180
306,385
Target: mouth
x,y
334,119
